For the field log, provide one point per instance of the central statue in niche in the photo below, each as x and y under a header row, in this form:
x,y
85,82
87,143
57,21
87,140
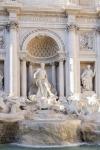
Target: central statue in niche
x,y
44,96
44,87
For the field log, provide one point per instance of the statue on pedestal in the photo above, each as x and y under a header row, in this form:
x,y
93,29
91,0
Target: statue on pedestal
x,y
44,96
87,79
44,87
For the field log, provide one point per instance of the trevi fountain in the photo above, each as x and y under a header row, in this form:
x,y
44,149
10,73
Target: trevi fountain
x,y
50,74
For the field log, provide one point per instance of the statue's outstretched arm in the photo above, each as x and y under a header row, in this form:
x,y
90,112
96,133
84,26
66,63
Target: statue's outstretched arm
x,y
35,74
83,74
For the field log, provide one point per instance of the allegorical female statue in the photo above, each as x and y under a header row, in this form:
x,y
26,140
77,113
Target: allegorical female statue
x,y
44,87
87,79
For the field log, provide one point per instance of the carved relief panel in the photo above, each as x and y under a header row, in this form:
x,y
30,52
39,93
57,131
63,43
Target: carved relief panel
x,y
1,39
87,41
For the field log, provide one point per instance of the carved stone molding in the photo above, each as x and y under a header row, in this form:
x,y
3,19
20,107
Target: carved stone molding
x,y
87,40
98,30
72,27
62,56
2,54
1,42
48,60
89,20
43,32
52,64
12,25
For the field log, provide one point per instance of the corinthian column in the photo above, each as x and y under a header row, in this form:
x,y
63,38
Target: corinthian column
x,y
30,74
61,78
54,74
23,78
12,60
72,58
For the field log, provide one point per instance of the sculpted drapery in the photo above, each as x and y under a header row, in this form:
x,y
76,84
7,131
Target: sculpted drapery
x,y
87,79
44,87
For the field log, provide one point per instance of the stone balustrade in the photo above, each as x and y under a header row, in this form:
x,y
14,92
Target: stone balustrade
x,y
59,3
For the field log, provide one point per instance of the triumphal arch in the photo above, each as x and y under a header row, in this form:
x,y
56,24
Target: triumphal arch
x,y
62,34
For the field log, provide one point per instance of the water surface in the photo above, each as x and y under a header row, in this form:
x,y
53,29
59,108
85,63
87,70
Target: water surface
x,y
12,147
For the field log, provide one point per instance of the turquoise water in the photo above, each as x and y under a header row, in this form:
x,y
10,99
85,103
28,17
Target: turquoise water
x,y
8,147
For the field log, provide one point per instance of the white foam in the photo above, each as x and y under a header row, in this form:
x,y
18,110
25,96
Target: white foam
x,y
50,146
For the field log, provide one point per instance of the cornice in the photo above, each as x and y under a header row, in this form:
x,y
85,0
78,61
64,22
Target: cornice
x,y
72,10
48,11
60,56
21,8
43,13
79,10
11,6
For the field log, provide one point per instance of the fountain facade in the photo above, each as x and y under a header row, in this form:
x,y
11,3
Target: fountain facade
x,y
49,71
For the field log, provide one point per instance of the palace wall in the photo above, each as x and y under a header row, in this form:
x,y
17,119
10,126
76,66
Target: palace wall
x,y
26,27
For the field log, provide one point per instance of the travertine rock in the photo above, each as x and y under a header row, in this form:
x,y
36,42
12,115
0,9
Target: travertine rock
x,y
8,132
90,128
50,132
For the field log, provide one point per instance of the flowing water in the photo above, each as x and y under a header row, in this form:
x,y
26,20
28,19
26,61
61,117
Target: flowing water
x,y
85,147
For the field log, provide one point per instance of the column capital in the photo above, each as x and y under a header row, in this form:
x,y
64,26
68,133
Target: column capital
x,y
52,63
62,56
23,56
30,64
72,26
97,30
12,25
61,60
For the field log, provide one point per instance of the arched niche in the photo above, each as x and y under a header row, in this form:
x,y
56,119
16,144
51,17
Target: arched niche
x,y
42,46
37,33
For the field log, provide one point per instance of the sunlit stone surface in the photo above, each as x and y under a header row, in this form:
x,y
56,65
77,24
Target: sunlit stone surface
x,y
49,71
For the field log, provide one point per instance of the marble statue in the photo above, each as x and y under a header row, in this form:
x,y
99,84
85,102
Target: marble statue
x,y
44,87
12,109
84,105
87,79
44,96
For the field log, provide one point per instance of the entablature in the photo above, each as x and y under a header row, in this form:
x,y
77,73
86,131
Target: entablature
x,y
87,56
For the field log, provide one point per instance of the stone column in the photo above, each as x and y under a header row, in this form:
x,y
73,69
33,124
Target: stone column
x,y
23,78
54,74
61,79
30,74
97,47
6,64
12,60
77,64
72,58
66,77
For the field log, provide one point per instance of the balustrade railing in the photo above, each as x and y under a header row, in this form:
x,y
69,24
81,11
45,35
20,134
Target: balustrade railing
x,y
59,3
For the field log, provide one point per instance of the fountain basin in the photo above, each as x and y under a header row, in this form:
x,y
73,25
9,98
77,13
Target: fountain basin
x,y
50,129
